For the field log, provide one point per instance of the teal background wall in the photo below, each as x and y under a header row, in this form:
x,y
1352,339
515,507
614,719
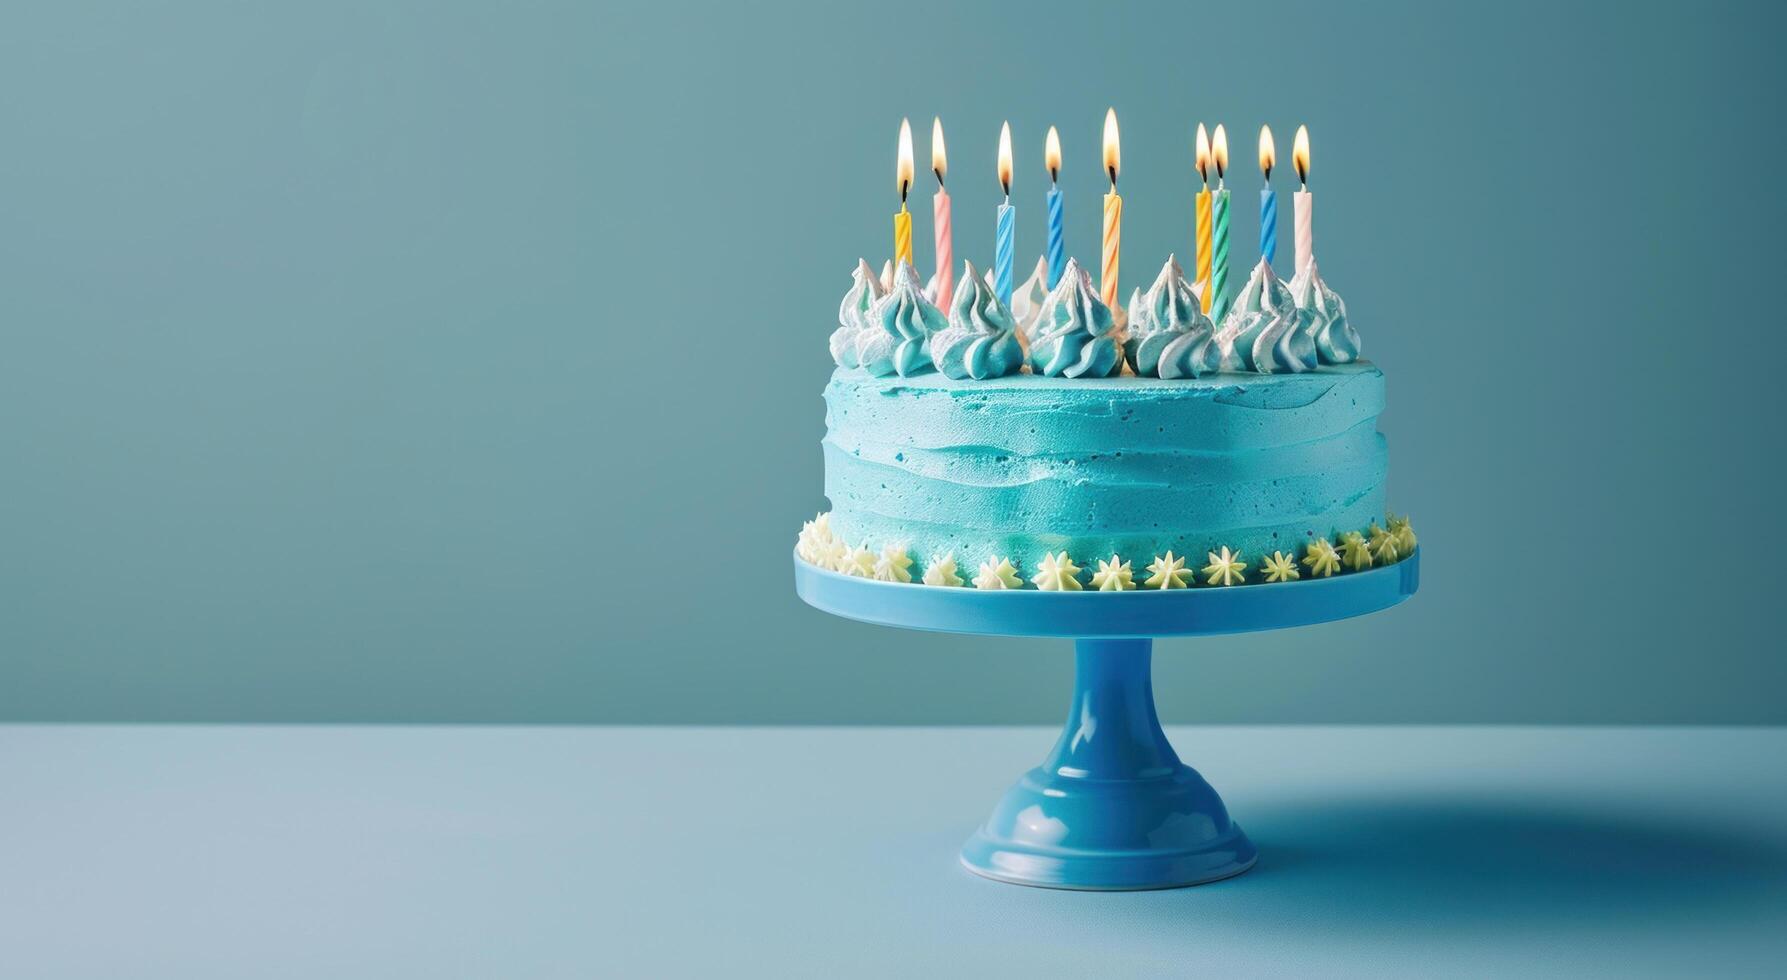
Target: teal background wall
x,y
461,362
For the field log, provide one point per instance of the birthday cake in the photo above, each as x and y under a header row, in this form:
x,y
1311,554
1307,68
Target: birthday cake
x,y
1045,437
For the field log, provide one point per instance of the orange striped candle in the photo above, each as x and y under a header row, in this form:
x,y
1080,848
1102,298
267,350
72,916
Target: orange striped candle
x,y
1203,215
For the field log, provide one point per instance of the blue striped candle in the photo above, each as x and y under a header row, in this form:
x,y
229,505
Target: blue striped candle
x,y
1002,253
1057,249
1003,234
1268,224
1268,198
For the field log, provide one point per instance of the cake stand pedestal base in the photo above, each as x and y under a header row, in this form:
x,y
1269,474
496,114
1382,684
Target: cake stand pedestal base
x,y
1112,808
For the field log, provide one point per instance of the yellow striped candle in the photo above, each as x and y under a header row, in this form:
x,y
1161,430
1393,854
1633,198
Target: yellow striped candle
x,y
1203,215
1113,215
903,178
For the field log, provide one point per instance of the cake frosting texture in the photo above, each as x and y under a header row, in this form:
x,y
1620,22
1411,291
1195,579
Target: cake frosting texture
x,y
981,340
1019,465
1336,342
1265,331
1169,335
1075,335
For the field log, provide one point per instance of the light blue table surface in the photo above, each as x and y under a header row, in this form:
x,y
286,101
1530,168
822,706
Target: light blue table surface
x,y
573,852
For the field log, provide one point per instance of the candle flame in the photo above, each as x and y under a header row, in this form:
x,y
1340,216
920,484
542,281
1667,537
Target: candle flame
x,y
1268,152
1112,162
1005,158
1219,151
939,162
903,171
1203,156
1300,154
1051,154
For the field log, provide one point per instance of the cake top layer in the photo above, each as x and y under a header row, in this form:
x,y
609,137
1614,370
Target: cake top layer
x,y
894,326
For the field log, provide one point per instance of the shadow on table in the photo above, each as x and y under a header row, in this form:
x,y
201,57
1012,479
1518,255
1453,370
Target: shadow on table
x,y
1399,863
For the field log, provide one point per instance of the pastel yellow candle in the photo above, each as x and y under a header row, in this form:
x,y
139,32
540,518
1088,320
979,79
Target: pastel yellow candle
x,y
1203,215
903,236
903,176
1113,214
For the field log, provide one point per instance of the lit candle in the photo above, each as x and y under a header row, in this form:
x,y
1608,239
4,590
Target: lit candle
x,y
1203,215
1302,202
1219,208
1268,199
1113,214
903,179
1057,249
1003,244
946,260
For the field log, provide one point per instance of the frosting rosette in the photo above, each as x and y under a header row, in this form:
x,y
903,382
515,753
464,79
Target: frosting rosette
x,y
1169,335
1265,331
1336,342
853,313
898,338
1075,335
1028,297
981,340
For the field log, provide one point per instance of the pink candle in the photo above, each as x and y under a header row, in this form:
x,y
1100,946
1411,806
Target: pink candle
x,y
946,274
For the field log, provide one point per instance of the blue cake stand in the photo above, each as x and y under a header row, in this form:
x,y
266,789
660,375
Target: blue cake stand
x,y
1112,808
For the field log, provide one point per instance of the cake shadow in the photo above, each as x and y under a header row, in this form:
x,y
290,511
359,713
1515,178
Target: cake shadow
x,y
1477,864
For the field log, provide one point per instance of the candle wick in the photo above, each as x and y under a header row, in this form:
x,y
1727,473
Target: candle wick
x,y
1113,173
904,186
939,174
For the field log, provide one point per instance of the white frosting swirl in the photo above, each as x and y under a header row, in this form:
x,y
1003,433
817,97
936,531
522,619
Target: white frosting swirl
x,y
1169,335
981,339
898,339
1027,298
1265,332
1076,335
1336,342
853,314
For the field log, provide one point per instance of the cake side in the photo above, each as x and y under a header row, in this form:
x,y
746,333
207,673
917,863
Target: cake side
x,y
1025,464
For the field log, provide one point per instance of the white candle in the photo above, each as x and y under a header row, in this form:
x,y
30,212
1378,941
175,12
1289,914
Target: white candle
x,y
1303,202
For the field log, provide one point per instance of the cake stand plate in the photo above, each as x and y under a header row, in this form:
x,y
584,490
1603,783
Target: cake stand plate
x,y
1112,808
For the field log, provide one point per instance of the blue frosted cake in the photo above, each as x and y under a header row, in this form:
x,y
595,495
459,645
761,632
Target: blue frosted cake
x,y
1067,444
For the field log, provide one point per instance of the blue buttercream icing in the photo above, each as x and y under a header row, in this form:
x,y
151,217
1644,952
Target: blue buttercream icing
x,y
853,314
1169,335
1075,334
1022,464
901,324
981,339
1265,331
1336,342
